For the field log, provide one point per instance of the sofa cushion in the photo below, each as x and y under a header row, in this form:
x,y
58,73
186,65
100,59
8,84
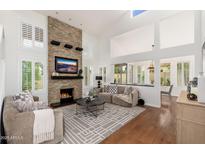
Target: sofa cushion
x,y
123,97
128,90
113,89
122,100
107,97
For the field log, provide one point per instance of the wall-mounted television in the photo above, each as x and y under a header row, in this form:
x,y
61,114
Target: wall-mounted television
x,y
66,65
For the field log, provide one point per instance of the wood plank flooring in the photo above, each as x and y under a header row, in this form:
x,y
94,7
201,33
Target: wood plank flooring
x,y
155,125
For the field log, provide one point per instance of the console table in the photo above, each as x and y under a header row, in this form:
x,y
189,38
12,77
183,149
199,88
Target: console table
x,y
190,120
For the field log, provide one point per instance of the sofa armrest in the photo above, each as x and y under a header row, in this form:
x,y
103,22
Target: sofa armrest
x,y
35,98
20,128
135,97
59,127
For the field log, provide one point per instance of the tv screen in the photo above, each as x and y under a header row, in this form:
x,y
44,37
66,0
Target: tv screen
x,y
66,65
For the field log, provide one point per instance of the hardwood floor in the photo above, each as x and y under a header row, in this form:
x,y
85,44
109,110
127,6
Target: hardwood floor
x,y
154,125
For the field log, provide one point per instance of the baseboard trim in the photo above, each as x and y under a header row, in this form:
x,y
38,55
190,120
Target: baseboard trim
x,y
155,106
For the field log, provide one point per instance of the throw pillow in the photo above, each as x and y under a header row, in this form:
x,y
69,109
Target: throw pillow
x,y
113,89
24,102
106,88
128,90
24,96
23,106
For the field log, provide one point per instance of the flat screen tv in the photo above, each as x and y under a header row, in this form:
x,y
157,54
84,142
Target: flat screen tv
x,y
66,65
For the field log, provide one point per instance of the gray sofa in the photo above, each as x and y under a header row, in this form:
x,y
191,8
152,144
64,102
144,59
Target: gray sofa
x,y
18,126
120,98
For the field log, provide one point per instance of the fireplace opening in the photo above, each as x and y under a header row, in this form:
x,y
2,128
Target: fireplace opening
x,y
66,96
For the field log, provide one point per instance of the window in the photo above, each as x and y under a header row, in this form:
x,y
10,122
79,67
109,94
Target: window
x,y
179,74
27,35
140,75
120,73
165,74
131,67
32,72
104,74
32,36
26,75
141,72
38,76
183,70
38,37
151,73
87,74
177,30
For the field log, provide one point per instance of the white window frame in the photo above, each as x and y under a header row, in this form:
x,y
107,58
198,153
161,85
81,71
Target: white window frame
x,y
182,75
101,73
33,75
33,36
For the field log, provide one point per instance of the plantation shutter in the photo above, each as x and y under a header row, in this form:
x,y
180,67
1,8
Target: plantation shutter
x,y
38,37
26,35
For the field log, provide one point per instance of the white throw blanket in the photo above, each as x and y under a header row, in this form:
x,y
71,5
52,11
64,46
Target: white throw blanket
x,y
44,123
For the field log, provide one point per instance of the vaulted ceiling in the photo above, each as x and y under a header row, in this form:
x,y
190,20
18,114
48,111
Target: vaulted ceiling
x,y
99,22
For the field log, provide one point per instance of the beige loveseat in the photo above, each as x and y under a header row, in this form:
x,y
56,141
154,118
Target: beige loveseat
x,y
18,126
120,98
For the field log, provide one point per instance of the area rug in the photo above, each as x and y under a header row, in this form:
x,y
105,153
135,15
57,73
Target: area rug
x,y
88,129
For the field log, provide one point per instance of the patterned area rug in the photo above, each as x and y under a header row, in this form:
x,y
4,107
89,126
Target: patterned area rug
x,y
86,128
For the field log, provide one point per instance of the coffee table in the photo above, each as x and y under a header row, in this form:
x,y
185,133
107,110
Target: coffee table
x,y
85,105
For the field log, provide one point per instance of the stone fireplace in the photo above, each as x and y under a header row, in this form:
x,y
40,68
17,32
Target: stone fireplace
x,y
65,33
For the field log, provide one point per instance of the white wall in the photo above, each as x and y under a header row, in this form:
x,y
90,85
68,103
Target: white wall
x,y
2,70
135,41
15,53
90,48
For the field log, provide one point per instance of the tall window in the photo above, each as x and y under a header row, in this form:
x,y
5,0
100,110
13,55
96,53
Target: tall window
x,y
183,70
38,76
140,75
120,73
131,68
38,37
165,74
104,74
26,75
27,35
87,74
32,72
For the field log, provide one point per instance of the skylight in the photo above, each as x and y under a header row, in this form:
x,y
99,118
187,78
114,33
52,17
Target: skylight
x,y
135,13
